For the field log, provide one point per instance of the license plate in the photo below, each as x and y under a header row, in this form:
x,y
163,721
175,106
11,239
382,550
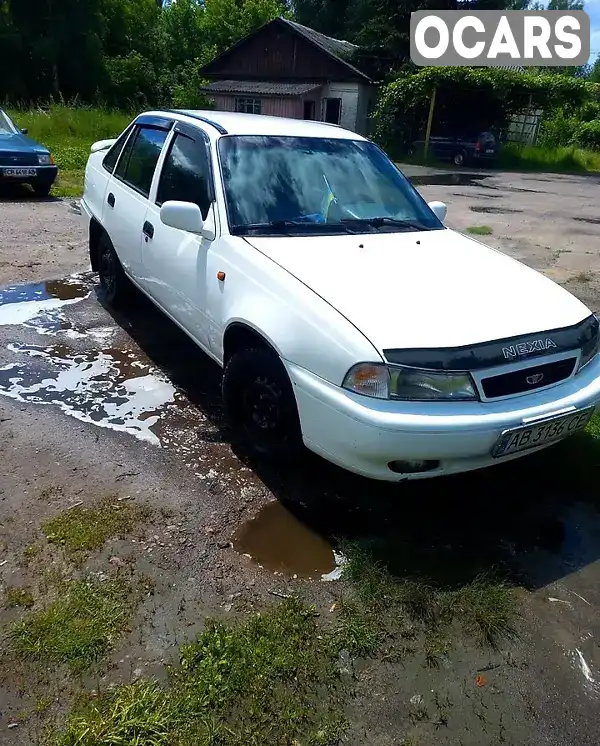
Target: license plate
x,y
19,172
490,150
546,432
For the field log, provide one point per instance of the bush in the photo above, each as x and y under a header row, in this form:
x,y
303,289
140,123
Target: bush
x,y
468,99
557,130
132,81
587,135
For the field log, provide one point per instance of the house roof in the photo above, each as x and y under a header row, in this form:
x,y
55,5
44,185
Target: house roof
x,y
260,87
336,47
340,50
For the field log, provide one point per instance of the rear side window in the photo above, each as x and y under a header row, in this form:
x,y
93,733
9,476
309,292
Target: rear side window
x,y
140,155
186,174
111,158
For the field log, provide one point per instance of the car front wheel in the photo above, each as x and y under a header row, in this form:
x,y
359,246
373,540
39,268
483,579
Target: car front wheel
x,y
260,403
113,280
459,159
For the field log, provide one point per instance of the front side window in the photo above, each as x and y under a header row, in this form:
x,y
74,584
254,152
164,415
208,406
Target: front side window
x,y
6,125
138,161
111,158
248,105
186,174
317,185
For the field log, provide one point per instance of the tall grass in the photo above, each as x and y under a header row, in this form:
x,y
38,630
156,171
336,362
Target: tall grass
x,y
539,158
68,132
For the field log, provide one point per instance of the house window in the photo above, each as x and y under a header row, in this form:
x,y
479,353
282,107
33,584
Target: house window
x,y
248,105
332,110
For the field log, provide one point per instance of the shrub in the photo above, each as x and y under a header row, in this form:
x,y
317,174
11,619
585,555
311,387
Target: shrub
x,y
587,135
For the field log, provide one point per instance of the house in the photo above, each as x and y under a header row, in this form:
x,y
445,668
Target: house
x,y
288,70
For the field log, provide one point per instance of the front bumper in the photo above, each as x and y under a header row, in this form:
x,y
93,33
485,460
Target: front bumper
x,y
45,175
363,435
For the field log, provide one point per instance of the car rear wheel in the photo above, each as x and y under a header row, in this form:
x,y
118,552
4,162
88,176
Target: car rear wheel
x,y
113,280
459,159
260,403
42,190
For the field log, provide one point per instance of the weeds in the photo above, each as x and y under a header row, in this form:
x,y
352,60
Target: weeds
x,y
485,606
81,529
480,230
271,680
18,597
538,158
583,277
77,629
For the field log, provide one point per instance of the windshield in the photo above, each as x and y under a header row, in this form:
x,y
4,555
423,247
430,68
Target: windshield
x,y
314,185
6,126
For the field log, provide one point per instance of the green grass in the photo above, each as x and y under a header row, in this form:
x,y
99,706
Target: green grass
x,y
69,131
536,158
273,679
485,606
18,597
77,629
480,230
82,529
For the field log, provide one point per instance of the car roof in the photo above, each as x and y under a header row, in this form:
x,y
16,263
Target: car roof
x,y
234,123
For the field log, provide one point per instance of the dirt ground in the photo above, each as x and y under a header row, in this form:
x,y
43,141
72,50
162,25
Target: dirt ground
x,y
93,404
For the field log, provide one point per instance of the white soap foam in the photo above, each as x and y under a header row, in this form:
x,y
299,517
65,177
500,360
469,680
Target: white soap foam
x,y
91,388
20,313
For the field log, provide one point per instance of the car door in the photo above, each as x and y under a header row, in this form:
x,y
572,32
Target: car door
x,y
175,261
127,192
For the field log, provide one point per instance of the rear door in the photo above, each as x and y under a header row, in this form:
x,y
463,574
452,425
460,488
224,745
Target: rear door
x,y
126,196
175,261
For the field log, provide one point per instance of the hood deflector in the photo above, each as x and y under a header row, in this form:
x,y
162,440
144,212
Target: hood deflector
x,y
580,336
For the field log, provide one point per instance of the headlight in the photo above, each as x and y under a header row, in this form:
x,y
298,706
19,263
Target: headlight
x,y
45,160
409,384
590,348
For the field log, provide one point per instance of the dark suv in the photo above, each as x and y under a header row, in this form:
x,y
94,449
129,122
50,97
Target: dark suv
x,y
463,150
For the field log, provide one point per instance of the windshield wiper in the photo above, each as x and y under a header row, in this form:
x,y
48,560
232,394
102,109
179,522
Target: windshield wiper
x,y
282,224
377,222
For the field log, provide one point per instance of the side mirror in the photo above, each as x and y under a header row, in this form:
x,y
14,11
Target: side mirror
x,y
102,145
186,216
439,209
25,131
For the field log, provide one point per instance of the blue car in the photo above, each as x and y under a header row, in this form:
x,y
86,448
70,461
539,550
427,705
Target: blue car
x,y
23,160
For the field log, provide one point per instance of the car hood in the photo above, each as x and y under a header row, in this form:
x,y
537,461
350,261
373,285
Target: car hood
x,y
425,289
19,143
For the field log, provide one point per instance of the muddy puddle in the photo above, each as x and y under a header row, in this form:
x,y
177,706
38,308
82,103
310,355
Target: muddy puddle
x,y
448,179
40,305
278,541
492,210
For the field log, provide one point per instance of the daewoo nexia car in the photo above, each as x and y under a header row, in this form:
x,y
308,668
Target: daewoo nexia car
x,y
23,160
345,315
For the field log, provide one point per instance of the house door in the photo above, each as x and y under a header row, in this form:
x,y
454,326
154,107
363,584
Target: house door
x,y
332,110
309,110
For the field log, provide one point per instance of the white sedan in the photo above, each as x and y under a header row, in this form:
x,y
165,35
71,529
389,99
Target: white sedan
x,y
346,316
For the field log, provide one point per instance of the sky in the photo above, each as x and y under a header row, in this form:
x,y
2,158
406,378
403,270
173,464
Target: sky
x,y
592,8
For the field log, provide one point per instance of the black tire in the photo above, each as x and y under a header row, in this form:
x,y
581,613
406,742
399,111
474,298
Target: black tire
x,y
261,405
115,286
41,190
459,158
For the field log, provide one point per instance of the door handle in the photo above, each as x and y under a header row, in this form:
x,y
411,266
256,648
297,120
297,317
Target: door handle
x,y
111,199
148,230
